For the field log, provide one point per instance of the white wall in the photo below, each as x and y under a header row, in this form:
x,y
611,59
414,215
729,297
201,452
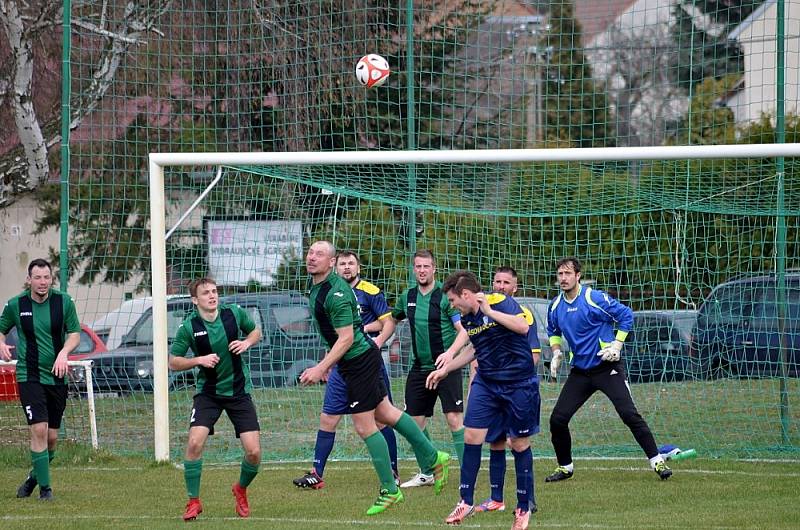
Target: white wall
x,y
758,41
19,246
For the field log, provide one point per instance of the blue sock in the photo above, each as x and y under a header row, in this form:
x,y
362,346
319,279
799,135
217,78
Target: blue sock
x,y
322,450
523,463
391,441
469,471
497,473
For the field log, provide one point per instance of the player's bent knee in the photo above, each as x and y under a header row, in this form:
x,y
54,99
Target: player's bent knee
x,y
520,444
558,421
328,422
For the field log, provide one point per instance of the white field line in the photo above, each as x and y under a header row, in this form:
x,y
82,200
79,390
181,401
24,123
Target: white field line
x,y
384,522
639,468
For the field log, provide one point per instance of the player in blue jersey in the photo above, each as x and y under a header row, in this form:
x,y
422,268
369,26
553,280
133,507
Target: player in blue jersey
x,y
505,392
376,318
505,281
595,325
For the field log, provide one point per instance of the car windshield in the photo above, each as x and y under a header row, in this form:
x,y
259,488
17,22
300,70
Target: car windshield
x,y
684,322
142,332
729,305
86,345
294,320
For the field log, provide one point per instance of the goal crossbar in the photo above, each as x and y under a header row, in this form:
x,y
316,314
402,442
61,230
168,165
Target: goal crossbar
x,y
158,161
488,156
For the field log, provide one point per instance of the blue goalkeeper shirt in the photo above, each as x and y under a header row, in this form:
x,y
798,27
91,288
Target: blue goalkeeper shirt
x,y
590,322
503,356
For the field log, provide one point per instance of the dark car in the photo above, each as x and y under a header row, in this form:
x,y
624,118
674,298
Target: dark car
x,y
289,344
89,344
658,347
738,332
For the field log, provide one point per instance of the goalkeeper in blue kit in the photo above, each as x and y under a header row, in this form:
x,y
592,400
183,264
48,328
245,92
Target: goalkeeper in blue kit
x,y
587,319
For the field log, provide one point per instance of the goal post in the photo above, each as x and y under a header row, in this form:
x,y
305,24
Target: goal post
x,y
158,225
91,412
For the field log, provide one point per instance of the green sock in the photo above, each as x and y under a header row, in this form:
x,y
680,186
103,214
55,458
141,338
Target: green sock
x,y
423,448
192,469
458,443
379,453
41,467
51,454
248,473
427,434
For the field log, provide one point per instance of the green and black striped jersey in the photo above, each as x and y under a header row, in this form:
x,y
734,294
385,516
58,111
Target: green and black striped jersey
x,y
42,329
231,375
430,317
334,305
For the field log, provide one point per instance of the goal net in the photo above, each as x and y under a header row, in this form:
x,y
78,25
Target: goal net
x,y
80,418
658,228
658,231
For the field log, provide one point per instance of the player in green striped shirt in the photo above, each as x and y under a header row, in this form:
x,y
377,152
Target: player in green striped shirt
x,y
49,330
435,330
213,333
359,362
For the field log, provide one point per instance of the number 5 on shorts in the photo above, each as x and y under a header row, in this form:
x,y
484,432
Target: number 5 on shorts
x,y
29,412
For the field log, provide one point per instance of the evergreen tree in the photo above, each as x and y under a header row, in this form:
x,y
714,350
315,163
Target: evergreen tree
x,y
576,109
700,33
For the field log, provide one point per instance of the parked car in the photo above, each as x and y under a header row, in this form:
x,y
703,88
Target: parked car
x,y
658,347
289,345
89,344
737,332
400,353
112,327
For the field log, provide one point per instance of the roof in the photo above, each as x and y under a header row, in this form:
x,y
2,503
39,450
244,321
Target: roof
x,y
595,16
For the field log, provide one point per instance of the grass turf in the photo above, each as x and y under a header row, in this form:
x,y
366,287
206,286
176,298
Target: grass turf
x,y
102,491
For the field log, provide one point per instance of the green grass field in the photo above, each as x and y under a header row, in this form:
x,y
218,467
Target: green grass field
x,y
726,418
101,491
120,487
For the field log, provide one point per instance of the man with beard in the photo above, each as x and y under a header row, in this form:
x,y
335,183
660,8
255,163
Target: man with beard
x,y
49,331
595,325
435,330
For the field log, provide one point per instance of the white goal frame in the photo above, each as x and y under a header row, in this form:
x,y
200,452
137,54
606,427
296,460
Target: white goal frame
x,y
87,377
158,232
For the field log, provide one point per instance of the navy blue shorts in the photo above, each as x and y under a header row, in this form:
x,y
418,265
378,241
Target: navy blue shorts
x,y
505,409
336,402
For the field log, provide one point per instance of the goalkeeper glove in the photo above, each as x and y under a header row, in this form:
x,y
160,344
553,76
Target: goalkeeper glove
x,y
611,352
555,362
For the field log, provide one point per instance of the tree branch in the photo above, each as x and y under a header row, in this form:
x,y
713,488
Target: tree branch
x,y
26,168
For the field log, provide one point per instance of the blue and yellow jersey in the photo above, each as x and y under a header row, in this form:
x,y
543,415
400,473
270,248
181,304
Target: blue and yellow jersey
x,y
502,355
590,322
533,337
372,304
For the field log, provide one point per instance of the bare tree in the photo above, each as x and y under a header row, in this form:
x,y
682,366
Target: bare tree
x,y
633,64
26,167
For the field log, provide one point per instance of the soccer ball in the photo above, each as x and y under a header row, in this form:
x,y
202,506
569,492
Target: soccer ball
x,y
372,70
